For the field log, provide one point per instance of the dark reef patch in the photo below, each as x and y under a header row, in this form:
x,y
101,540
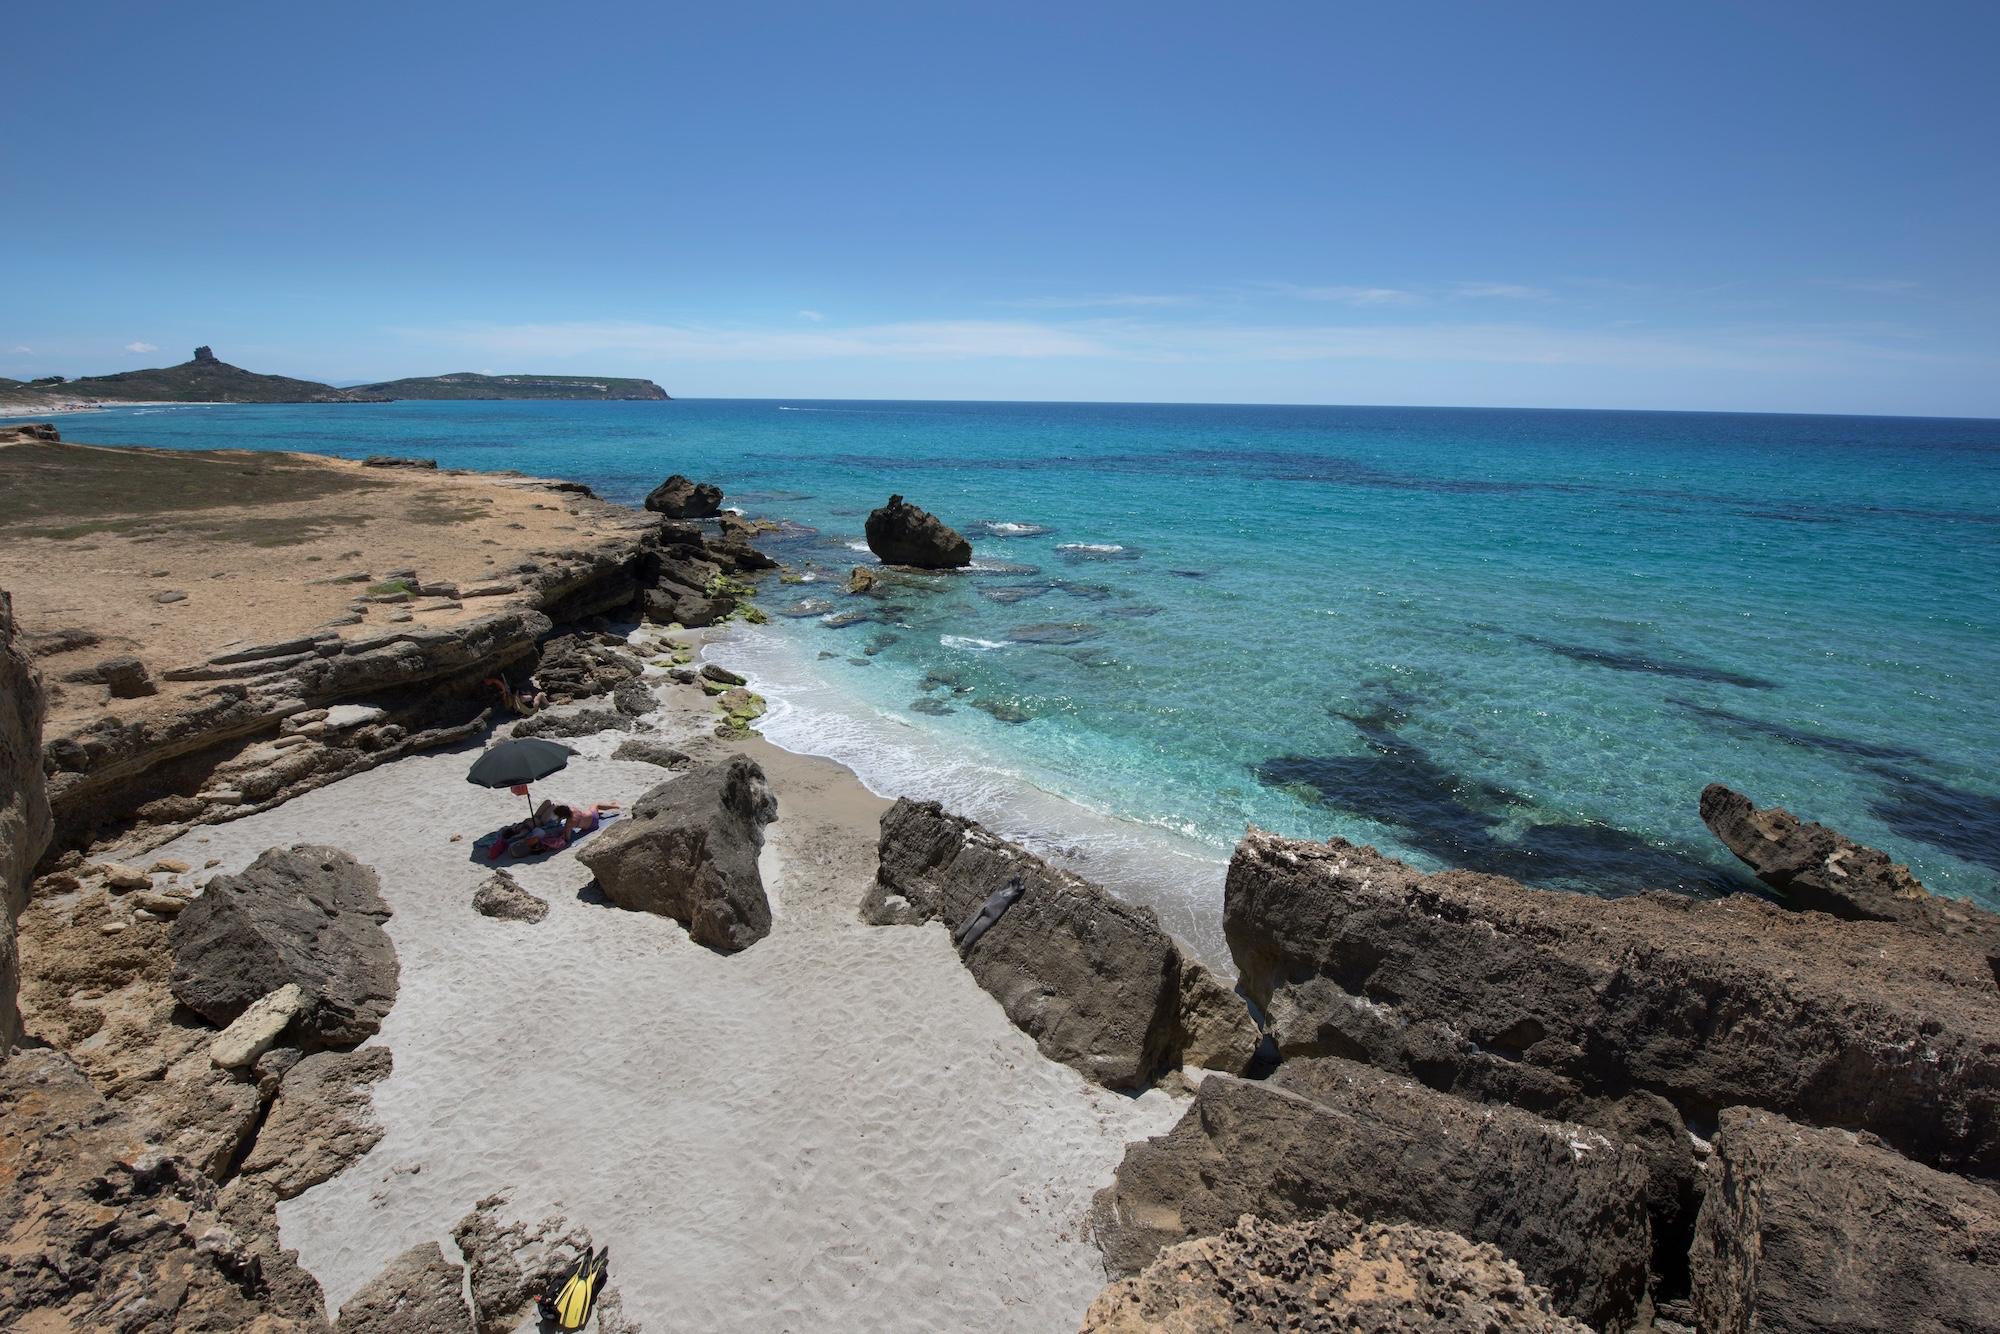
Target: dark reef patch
x,y
1960,821
1008,594
1055,632
1635,662
1793,736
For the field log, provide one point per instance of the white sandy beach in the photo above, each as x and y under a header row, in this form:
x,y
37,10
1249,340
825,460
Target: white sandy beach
x,y
836,1129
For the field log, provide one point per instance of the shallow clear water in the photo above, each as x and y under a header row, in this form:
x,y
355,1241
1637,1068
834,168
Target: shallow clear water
x,y
1511,640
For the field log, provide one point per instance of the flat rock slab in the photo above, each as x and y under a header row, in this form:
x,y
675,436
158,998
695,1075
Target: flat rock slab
x,y
1334,1273
322,1120
1538,998
1559,1199
1806,1230
306,915
252,1033
1095,981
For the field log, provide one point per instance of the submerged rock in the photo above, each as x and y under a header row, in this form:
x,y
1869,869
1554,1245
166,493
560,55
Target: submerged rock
x,y
1481,986
1560,1199
1807,1230
689,851
900,533
1333,1273
1821,870
680,498
1097,982
306,915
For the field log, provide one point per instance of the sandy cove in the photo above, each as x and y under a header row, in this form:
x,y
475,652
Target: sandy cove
x,y
835,1129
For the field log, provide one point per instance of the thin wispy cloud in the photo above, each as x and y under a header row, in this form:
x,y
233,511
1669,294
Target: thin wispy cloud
x,y
1143,341
140,347
1502,292
812,315
1871,286
1351,295
1110,301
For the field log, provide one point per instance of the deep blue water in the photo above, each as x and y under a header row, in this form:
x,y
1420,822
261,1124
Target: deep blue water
x,y
1512,640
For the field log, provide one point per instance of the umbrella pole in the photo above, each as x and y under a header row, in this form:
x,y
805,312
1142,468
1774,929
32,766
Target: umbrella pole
x,y
531,804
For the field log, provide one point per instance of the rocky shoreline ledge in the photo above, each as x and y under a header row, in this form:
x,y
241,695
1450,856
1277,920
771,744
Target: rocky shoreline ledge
x,y
852,1043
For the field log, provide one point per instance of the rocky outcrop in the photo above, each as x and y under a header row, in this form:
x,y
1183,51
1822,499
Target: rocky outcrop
x,y
105,1233
1560,1199
680,498
1806,1230
1820,870
642,751
1478,985
689,851
25,827
502,897
1332,1274
899,533
306,915
1095,981
512,1262
420,1290
322,1119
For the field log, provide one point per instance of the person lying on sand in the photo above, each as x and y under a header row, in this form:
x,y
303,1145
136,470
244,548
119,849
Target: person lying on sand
x,y
583,819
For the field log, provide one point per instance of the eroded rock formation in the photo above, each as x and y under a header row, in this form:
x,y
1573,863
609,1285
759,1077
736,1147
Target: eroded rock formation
x,y
680,498
1821,870
1094,980
689,850
1805,1230
420,1290
900,533
1562,1200
1546,999
1334,1274
25,826
306,915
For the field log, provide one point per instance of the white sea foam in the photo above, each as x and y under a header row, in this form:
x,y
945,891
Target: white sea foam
x,y
857,546
971,642
1094,548
897,755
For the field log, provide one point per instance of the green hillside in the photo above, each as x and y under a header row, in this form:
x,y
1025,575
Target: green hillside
x,y
465,384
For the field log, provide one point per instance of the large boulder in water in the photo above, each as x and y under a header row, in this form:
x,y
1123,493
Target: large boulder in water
x,y
1097,982
1561,1200
689,851
901,534
1356,1277
309,915
680,498
1482,986
1806,1230
1821,870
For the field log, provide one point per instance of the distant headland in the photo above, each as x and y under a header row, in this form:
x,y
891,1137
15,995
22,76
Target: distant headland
x,y
205,379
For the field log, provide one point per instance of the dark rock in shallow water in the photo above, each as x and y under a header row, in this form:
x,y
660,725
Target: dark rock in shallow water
x,y
1008,594
680,498
1067,632
1482,986
1817,869
1793,736
1960,821
1005,710
1561,1200
1639,662
1332,1273
902,534
689,851
1098,984
1809,1230
309,915
937,708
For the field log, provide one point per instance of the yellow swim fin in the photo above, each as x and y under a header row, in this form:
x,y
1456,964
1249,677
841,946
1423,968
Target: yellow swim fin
x,y
578,1295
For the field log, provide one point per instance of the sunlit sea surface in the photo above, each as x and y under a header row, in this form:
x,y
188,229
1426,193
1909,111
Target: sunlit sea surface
x,y
1518,641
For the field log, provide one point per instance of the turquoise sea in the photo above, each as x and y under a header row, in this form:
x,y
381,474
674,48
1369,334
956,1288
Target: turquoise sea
x,y
1510,640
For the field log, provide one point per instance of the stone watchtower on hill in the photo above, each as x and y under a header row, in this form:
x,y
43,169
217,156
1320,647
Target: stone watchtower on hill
x,y
204,354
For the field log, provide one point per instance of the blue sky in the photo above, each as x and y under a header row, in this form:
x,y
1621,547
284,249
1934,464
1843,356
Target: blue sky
x,y
1756,206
